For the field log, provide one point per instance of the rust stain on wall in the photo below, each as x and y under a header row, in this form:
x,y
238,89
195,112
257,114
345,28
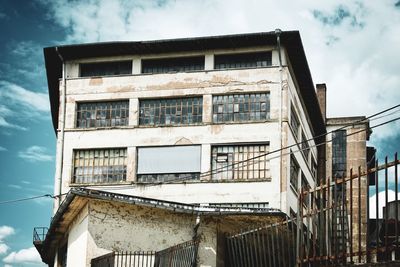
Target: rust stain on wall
x,y
96,81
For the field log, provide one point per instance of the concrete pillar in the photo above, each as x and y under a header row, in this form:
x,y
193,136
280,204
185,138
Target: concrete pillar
x,y
131,164
136,65
209,62
205,160
133,112
207,109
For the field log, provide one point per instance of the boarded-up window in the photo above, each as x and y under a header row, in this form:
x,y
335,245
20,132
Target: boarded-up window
x,y
162,164
241,107
240,162
100,165
102,114
166,65
243,60
176,111
105,68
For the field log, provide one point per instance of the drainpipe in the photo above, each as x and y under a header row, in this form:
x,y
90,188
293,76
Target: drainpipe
x,y
60,137
278,42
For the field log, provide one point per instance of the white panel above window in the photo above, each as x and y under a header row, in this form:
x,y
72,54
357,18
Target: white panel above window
x,y
171,159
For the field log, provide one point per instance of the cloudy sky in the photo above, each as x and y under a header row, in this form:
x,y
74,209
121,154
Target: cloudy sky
x,y
350,45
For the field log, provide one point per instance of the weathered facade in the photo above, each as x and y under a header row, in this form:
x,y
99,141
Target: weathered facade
x,y
226,121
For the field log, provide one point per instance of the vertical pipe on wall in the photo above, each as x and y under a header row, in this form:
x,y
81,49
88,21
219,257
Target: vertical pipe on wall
x,y
60,137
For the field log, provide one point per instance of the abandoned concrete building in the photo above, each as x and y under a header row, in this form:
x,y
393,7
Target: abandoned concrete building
x,y
167,141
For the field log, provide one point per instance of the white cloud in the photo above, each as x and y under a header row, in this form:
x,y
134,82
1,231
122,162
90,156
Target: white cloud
x,y
35,153
17,105
15,186
3,149
24,256
6,231
3,248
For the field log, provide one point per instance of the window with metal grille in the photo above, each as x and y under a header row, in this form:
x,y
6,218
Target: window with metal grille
x,y
294,122
241,107
243,60
176,111
339,154
105,68
294,172
100,165
166,65
102,114
240,162
170,163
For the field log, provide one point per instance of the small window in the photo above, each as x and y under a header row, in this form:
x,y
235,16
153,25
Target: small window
x,y
166,65
102,114
240,162
243,60
294,172
105,68
294,123
164,164
177,111
241,107
100,165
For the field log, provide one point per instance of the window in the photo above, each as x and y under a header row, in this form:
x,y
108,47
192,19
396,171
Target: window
x,y
294,122
304,146
240,162
163,164
166,65
100,165
102,114
178,111
241,107
105,68
306,187
294,172
314,168
243,60
339,154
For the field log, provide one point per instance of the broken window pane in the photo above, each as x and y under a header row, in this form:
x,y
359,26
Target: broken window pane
x,y
100,165
166,65
241,107
102,114
243,60
240,162
179,111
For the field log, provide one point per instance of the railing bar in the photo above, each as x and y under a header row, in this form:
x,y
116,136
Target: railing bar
x,y
307,202
367,237
329,219
343,223
359,215
386,209
269,247
334,225
273,247
314,225
351,216
396,206
377,209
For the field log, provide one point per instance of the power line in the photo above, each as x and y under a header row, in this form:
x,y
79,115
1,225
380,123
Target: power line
x,y
30,198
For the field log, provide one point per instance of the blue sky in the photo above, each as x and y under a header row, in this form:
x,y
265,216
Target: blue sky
x,y
350,45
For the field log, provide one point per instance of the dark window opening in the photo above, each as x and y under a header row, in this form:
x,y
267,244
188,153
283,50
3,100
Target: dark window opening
x,y
241,107
294,122
294,173
177,111
304,146
243,60
166,65
105,68
240,162
102,114
100,165
339,154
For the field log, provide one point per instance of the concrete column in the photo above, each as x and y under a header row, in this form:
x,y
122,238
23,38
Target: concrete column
x,y
70,117
209,62
207,108
72,70
133,112
131,164
136,65
206,160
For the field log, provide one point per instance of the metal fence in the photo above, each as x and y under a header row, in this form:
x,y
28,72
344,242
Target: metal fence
x,y
333,225
181,255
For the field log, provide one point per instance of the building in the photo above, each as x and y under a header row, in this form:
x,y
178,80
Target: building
x,y
173,140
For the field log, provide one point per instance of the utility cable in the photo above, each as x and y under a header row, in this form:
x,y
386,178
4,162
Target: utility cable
x,y
30,198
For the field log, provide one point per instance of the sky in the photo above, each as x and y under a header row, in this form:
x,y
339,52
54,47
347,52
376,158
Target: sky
x,y
352,46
